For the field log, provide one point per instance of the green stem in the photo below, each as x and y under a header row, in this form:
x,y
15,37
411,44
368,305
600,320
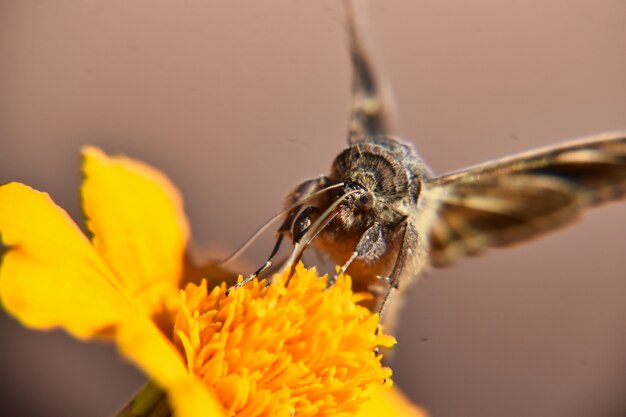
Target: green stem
x,y
150,401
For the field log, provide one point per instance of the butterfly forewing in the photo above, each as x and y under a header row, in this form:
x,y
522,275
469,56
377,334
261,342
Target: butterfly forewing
x,y
369,115
518,198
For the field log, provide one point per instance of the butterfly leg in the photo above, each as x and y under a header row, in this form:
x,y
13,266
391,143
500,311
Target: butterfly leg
x,y
409,243
371,245
297,221
299,226
263,267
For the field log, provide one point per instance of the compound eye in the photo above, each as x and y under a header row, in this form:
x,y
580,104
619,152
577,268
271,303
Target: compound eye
x,y
366,201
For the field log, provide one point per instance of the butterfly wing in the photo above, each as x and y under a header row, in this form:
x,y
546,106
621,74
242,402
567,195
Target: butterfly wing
x,y
369,116
518,198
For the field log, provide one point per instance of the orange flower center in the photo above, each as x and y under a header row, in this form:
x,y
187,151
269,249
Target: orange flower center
x,y
283,349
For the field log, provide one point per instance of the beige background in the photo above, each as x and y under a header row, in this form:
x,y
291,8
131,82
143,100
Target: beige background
x,y
237,101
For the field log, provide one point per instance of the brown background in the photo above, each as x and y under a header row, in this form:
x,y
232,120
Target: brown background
x,y
237,101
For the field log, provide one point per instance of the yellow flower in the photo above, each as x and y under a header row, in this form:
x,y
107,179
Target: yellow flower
x,y
289,348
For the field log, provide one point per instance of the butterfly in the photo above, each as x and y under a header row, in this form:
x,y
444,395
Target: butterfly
x,y
385,217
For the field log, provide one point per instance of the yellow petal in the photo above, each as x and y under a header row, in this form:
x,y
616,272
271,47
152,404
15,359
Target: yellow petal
x,y
386,401
145,345
138,225
51,275
190,398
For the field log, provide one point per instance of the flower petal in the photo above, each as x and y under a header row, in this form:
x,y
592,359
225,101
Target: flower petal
x,y
135,214
51,275
145,345
386,401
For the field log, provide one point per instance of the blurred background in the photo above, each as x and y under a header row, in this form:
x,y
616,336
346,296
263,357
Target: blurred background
x,y
238,101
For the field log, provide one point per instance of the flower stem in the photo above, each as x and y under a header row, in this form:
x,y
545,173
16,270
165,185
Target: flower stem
x,y
150,401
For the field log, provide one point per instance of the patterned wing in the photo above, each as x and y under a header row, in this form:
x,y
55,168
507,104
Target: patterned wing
x,y
369,116
514,199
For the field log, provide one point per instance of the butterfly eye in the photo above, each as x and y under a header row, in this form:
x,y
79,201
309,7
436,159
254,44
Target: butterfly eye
x,y
367,201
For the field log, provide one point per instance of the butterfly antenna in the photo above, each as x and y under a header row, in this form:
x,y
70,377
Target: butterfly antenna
x,y
271,220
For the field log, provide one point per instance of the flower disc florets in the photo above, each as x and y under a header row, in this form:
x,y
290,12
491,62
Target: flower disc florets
x,y
290,348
